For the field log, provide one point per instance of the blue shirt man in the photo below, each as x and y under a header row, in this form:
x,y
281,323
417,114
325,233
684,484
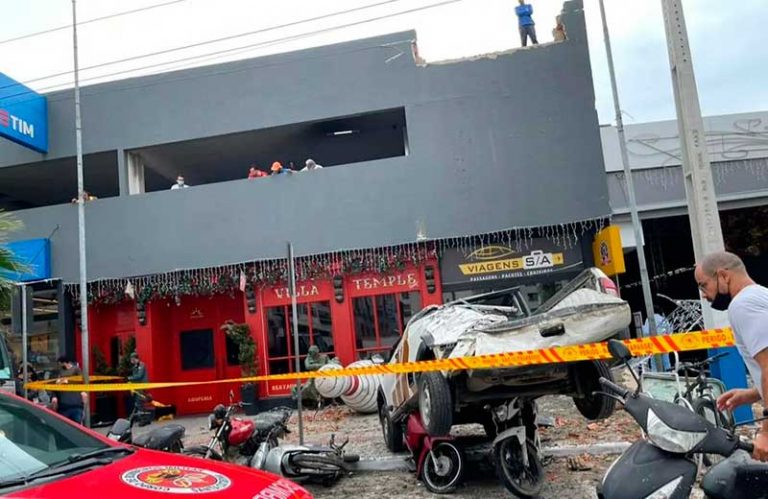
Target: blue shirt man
x,y
524,12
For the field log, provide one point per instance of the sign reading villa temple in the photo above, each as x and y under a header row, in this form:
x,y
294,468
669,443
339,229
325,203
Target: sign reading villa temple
x,y
501,261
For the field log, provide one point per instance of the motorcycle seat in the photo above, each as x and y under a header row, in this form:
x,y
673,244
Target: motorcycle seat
x,y
160,438
737,476
265,421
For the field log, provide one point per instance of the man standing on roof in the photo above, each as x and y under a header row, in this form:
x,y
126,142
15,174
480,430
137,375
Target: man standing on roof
x,y
524,12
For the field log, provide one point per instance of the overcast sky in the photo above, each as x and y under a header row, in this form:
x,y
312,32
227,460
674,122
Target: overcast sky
x,y
728,41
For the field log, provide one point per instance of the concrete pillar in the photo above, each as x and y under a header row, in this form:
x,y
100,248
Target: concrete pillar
x,y
135,173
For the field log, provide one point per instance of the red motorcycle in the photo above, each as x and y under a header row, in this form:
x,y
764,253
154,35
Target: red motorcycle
x,y
235,439
439,460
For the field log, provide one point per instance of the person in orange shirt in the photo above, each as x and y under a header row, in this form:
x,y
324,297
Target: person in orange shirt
x,y
278,169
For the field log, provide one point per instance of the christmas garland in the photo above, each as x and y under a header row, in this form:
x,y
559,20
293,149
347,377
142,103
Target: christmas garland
x,y
229,279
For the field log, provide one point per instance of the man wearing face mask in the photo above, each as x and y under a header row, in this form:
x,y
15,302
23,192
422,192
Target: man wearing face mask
x,y
723,281
179,183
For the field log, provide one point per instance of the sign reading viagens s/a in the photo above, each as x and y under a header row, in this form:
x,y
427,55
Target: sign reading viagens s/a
x,y
23,115
501,261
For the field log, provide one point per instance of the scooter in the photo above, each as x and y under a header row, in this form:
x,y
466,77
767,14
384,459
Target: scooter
x,y
663,466
439,460
304,463
167,438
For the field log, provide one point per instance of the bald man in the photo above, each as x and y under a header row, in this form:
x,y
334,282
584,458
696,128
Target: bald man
x,y
724,282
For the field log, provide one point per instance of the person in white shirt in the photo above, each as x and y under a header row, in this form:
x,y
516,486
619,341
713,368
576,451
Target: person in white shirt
x,y
723,281
179,183
311,165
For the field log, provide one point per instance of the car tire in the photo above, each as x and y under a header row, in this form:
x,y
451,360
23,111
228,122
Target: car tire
x,y
435,404
593,407
392,432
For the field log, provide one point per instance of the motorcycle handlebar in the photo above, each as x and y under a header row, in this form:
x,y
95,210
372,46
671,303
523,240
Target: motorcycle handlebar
x,y
747,446
613,387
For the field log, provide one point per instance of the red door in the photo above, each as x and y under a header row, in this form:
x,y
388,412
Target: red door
x,y
205,353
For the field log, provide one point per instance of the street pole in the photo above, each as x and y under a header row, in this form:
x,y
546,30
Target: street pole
x,y
636,223
706,232
24,338
85,350
294,307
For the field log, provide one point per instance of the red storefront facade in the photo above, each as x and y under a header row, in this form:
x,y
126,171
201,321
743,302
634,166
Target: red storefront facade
x,y
350,316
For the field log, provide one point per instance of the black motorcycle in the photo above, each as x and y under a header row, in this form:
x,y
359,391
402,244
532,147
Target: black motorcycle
x,y
663,466
168,438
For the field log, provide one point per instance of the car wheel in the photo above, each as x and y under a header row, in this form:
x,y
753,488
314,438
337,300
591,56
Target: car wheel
x,y
593,406
393,433
435,404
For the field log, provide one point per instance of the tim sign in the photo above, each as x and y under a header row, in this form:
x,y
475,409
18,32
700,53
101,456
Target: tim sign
x,y
23,115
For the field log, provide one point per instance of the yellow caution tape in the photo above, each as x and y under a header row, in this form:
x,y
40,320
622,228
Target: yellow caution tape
x,y
698,340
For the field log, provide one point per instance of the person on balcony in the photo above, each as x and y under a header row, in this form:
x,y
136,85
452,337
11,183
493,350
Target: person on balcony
x,y
311,165
179,183
558,34
524,13
278,169
255,172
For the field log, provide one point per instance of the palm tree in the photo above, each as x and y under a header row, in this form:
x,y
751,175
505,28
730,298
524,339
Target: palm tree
x,y
8,262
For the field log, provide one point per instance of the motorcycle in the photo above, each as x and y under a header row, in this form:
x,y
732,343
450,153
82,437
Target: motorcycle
x,y
304,463
517,447
255,443
663,465
439,460
236,440
168,438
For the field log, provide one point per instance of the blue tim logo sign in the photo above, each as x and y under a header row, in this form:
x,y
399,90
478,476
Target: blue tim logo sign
x,y
23,115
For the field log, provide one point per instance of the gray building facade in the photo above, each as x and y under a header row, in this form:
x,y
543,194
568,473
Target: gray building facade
x,y
411,151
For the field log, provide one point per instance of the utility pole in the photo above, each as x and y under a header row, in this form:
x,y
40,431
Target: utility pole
x,y
84,343
700,192
636,223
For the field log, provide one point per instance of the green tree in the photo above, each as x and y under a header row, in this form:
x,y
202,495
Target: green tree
x,y
8,262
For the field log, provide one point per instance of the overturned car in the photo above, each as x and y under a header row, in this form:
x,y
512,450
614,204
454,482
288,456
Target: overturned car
x,y
586,310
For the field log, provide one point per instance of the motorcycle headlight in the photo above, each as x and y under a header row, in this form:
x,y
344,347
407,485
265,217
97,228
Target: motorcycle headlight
x,y
669,439
666,491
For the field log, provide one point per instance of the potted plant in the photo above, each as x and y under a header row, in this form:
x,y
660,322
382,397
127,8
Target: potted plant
x,y
240,334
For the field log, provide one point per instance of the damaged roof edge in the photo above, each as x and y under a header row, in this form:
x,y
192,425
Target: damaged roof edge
x,y
572,16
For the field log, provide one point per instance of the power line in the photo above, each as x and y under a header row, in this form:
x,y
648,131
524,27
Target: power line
x,y
276,41
215,40
69,26
261,44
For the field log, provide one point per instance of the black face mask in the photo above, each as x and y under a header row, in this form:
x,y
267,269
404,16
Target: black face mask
x,y
721,300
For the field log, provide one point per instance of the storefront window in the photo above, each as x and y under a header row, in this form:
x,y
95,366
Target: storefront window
x,y
380,320
43,330
196,349
315,328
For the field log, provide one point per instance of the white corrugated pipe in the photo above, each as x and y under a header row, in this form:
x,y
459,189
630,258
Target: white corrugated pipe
x,y
358,392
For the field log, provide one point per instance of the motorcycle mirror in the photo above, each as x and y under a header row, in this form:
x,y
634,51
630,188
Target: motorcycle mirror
x,y
619,350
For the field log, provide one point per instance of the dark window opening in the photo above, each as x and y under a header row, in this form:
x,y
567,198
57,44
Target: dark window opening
x,y
196,349
233,352
330,142
55,182
115,350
